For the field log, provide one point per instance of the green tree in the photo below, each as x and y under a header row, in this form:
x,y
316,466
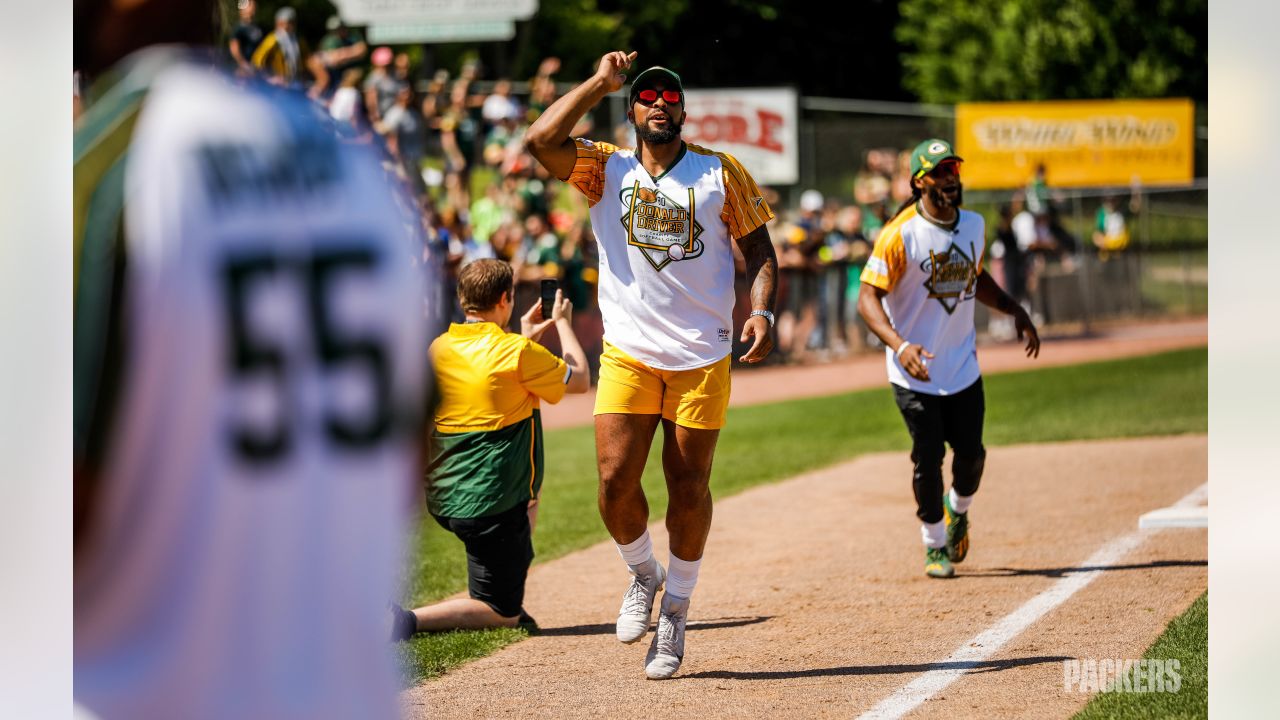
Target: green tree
x,y
832,49
580,31
1054,49
837,49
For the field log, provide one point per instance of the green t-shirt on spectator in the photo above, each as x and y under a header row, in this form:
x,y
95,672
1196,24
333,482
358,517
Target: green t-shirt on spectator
x,y
486,216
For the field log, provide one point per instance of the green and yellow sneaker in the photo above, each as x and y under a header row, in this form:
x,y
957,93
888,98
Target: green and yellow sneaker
x,y
957,531
937,564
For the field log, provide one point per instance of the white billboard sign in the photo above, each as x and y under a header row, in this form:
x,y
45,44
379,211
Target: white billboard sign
x,y
391,34
758,126
392,12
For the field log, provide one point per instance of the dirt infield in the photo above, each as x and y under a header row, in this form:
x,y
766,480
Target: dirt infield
x,y
775,384
812,601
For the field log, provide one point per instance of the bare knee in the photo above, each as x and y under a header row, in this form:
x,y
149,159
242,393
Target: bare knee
x,y
616,485
689,487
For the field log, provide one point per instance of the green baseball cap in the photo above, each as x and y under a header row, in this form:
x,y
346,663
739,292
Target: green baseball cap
x,y
928,154
649,75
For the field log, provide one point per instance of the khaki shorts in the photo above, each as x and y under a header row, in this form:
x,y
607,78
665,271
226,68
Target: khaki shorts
x,y
696,398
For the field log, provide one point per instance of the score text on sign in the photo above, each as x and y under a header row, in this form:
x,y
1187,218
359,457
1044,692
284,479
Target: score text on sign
x,y
758,126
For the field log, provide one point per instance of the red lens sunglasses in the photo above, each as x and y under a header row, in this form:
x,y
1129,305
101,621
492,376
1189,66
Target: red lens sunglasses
x,y
650,96
948,166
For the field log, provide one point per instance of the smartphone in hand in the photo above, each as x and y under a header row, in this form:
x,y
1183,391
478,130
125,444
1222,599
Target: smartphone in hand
x,y
548,292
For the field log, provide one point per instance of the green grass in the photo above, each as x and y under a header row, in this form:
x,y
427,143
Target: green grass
x,y
1155,395
434,655
1186,640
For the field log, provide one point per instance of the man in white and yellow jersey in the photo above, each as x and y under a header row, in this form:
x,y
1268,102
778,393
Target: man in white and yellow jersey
x,y
665,215
249,387
917,292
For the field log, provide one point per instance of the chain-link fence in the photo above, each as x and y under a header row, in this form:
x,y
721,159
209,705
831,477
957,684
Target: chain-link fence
x,y
1159,269
852,149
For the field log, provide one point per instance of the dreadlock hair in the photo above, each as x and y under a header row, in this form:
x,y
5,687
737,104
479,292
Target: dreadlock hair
x,y
916,193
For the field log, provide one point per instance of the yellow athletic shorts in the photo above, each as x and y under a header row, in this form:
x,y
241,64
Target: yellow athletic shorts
x,y
694,398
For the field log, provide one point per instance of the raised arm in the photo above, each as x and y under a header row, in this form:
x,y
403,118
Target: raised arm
x,y
574,356
762,273
532,325
989,293
548,138
350,53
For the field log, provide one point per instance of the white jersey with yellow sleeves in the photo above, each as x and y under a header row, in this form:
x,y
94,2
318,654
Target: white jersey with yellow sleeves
x,y
666,255
931,275
255,431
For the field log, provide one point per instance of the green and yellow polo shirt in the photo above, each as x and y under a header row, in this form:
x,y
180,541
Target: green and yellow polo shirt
x,y
486,442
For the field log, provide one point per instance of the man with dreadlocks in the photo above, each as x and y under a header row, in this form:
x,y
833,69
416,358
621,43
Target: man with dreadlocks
x,y
916,295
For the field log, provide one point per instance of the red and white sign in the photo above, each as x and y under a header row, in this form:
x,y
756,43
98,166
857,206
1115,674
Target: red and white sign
x,y
758,126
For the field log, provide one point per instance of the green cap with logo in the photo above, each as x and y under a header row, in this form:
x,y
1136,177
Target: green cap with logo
x,y
928,154
649,75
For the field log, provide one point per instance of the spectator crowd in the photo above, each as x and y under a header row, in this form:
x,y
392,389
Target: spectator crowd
x,y
455,142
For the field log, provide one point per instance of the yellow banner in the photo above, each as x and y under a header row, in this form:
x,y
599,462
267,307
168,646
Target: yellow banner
x,y
1080,142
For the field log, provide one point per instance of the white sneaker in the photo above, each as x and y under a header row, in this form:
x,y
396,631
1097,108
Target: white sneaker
x,y
637,604
667,651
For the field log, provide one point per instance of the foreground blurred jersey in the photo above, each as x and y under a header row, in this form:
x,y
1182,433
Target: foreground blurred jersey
x,y
250,360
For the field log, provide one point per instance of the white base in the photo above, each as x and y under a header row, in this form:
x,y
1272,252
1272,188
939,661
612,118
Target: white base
x,y
1175,517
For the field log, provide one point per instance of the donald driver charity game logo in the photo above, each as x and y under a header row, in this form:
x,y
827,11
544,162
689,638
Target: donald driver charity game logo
x,y
952,276
664,230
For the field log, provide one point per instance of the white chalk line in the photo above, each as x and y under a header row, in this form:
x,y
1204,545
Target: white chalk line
x,y
985,644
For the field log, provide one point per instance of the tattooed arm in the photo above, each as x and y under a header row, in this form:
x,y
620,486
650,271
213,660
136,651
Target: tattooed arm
x,y
762,272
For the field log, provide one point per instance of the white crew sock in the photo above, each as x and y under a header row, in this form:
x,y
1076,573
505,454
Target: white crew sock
x,y
682,575
960,503
934,534
638,552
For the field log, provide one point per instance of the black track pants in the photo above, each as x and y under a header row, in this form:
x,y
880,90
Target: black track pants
x,y
934,422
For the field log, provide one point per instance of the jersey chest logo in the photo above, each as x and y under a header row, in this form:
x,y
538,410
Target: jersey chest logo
x,y
953,276
663,229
